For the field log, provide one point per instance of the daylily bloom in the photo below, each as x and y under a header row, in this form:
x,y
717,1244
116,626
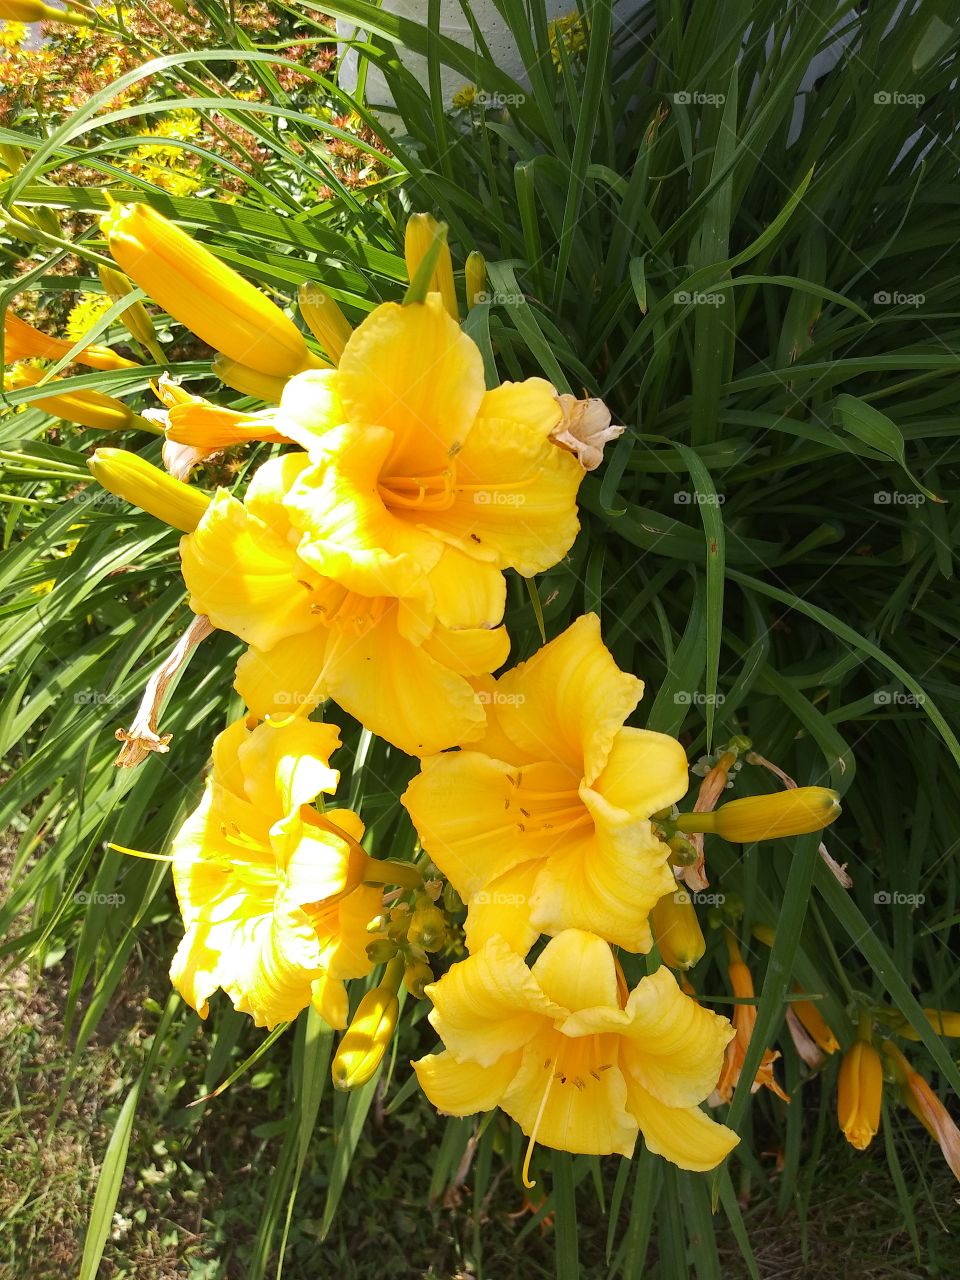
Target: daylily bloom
x,y
271,891
927,1107
794,812
579,1063
859,1089
744,1022
203,293
369,568
21,341
85,408
139,482
543,824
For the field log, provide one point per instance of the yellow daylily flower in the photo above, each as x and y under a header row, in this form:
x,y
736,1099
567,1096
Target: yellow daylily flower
x,y
203,293
311,638
271,891
541,824
21,341
85,408
859,1090
579,1063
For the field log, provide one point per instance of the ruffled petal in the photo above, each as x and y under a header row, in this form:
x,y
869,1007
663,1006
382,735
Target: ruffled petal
x,y
569,701
463,1088
411,370
398,690
489,1005
465,592
343,932
283,681
672,1047
684,1135
502,910
474,651
270,971
576,970
515,493
288,765
310,407
347,533
582,884
328,995
468,812
246,578
571,1100
645,772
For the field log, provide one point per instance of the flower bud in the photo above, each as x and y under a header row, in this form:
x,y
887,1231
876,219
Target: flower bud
x,y
428,928
136,317
146,486
21,341
365,1041
324,319
381,950
945,1022
203,293
421,231
677,930
794,812
475,276
85,408
416,976
859,1089
815,1025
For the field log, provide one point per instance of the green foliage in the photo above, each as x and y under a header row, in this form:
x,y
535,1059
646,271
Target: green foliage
x,y
749,254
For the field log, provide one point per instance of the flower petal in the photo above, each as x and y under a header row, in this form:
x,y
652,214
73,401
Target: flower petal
x,y
466,592
245,577
270,970
502,909
473,651
576,970
463,1088
582,884
286,766
569,701
411,370
585,1114
684,1135
488,1005
284,679
645,772
309,407
515,493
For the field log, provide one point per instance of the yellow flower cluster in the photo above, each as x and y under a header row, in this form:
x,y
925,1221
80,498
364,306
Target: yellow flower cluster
x,y
365,564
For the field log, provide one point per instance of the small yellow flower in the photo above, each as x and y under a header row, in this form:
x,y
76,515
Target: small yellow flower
x,y
579,1063
465,97
794,812
859,1089
203,293
84,314
271,891
543,824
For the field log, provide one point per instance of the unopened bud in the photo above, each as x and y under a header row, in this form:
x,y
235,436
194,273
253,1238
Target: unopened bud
x,y
131,477
428,928
794,812
365,1041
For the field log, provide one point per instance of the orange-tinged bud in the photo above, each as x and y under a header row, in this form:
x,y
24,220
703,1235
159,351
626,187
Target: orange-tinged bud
x,y
249,382
859,1090
35,11
131,477
365,1041
475,276
421,232
926,1106
793,812
85,408
815,1025
203,293
21,341
677,930
324,319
